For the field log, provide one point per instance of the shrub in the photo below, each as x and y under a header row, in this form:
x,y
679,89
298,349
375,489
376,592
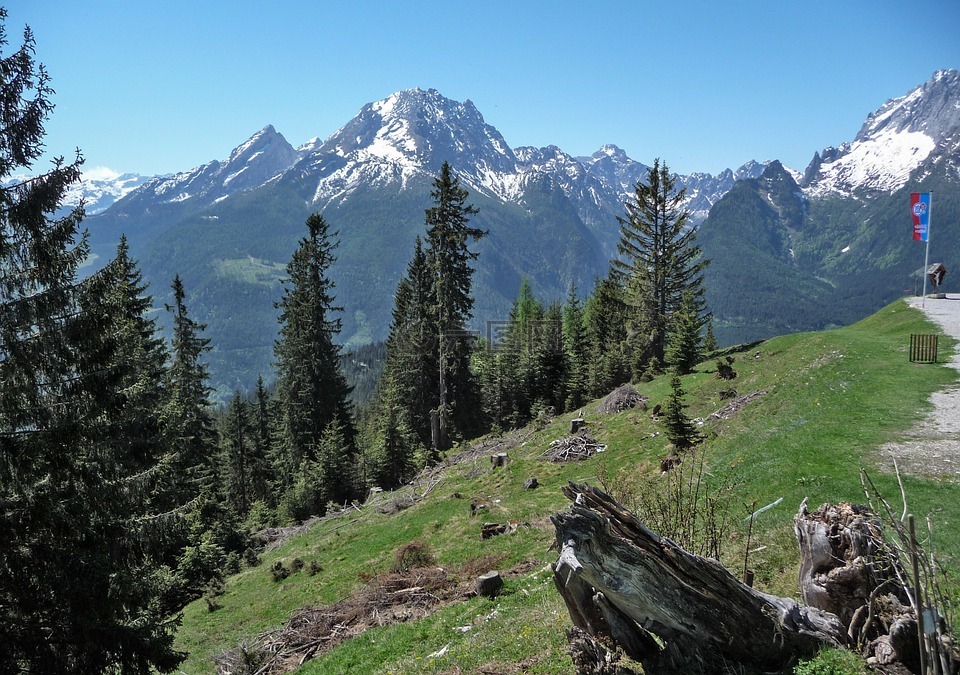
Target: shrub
x,y
411,555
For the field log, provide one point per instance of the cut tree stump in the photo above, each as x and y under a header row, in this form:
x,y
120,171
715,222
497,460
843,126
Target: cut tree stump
x,y
673,611
488,585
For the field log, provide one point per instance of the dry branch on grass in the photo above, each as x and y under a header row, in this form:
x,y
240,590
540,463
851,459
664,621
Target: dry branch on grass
x,y
388,598
737,404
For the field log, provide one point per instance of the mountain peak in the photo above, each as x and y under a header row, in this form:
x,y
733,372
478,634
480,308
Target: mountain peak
x,y
261,157
413,131
895,139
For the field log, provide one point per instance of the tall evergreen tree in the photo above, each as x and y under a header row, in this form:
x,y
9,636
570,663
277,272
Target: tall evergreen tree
x,y
575,349
237,441
412,354
606,318
189,468
449,260
685,341
80,591
659,258
549,362
312,393
262,473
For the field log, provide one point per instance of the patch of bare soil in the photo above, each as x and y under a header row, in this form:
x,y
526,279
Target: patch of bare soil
x,y
932,447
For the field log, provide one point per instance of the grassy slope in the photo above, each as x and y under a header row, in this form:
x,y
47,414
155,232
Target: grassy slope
x,y
833,397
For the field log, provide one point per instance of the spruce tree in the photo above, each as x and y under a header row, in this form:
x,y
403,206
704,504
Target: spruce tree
x,y
449,260
549,362
659,259
312,393
710,340
606,318
189,469
80,590
679,429
412,353
575,348
262,473
684,341
237,441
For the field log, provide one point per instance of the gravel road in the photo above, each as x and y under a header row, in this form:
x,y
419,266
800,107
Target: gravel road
x,y
932,447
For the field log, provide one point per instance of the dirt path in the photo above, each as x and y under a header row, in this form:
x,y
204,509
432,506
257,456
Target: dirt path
x,y
932,447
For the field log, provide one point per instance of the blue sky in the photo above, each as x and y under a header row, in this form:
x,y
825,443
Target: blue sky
x,y
158,87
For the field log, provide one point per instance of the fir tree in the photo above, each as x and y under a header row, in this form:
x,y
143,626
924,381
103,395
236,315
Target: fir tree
x,y
549,362
575,349
605,320
659,258
262,473
679,429
190,425
312,393
449,260
412,348
710,340
237,442
80,590
685,342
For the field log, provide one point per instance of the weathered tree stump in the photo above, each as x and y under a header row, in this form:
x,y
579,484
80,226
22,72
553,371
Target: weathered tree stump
x,y
499,459
489,584
488,530
676,612
624,583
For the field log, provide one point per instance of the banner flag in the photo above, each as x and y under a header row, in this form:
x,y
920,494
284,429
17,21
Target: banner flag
x,y
920,212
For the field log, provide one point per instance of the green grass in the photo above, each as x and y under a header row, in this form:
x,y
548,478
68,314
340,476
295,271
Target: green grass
x,y
832,399
251,270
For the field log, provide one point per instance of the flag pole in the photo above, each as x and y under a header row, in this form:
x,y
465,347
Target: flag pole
x,y
926,256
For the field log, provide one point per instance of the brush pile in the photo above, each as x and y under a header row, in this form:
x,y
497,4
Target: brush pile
x,y
622,398
574,448
387,598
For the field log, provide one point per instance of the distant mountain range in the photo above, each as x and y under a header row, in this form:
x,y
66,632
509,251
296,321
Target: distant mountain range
x,y
792,250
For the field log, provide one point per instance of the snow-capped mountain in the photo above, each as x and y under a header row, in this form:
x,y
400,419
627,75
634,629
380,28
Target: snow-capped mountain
x,y
894,141
100,189
552,217
262,157
409,135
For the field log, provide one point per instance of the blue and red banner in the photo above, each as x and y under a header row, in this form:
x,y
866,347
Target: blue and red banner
x,y
920,212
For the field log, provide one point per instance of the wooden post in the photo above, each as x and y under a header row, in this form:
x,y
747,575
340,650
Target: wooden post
x,y
917,595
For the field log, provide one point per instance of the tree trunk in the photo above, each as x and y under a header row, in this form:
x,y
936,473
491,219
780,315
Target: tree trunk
x,y
673,611
680,613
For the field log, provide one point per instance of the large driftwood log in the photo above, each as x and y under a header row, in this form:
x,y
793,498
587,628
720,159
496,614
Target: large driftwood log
x,y
673,611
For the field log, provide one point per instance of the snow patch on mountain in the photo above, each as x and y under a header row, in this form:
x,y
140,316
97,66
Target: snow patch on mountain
x,y
100,187
895,140
880,163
